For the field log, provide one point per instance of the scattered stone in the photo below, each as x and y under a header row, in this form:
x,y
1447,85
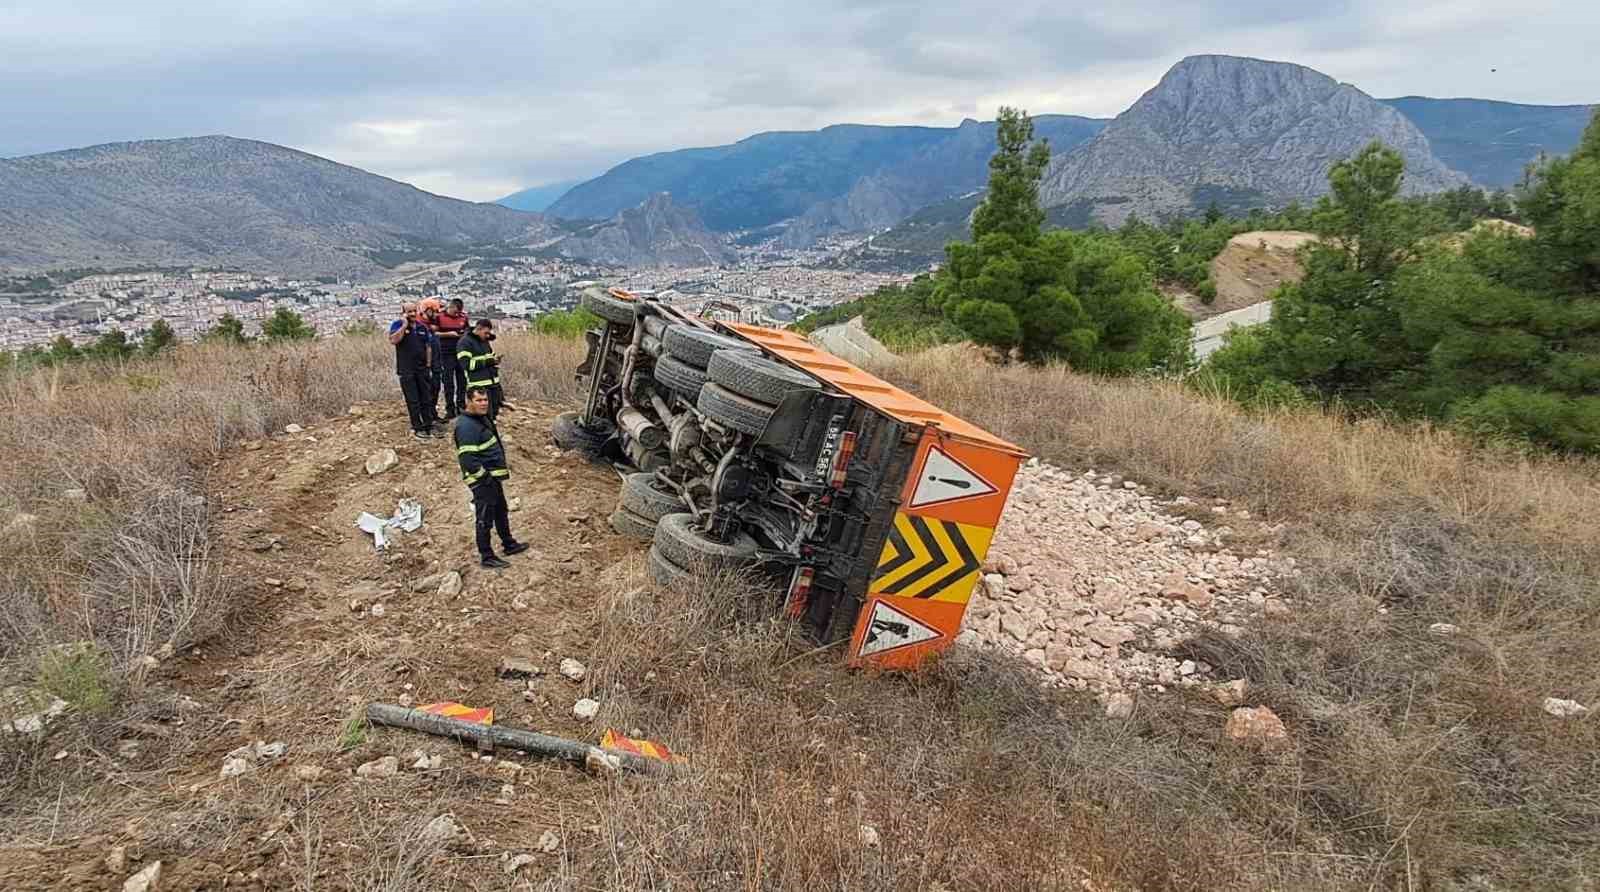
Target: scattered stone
x,y
508,792
388,766
519,667
1097,520
308,773
517,862
117,859
1565,709
514,504
235,767
1275,608
450,585
75,494
1257,726
549,842
868,835
381,461
1119,706
1231,693
573,669
1186,668
1443,630
585,709
426,762
441,829
357,411
21,527
293,429
377,610
146,880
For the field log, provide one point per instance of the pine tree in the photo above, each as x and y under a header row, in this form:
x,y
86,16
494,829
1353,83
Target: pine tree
x,y
160,337
1011,205
286,325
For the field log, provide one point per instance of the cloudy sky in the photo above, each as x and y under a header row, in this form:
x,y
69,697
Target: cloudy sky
x,y
477,100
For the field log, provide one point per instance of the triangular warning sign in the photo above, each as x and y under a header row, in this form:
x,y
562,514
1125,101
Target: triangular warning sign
x,y
943,479
891,629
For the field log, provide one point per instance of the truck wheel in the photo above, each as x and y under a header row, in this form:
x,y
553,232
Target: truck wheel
x,y
695,345
608,306
680,377
629,524
756,376
642,495
682,544
568,433
732,410
664,572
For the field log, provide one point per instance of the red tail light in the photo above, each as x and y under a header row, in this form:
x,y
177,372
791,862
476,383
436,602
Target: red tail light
x,y
847,448
799,593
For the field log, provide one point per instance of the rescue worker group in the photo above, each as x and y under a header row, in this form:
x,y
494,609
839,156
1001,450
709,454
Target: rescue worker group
x,y
436,351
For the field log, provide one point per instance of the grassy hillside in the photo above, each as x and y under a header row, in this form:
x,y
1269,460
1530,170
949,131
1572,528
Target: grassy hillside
x,y
1415,760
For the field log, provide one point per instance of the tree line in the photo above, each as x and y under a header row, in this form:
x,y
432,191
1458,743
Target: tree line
x,y
283,325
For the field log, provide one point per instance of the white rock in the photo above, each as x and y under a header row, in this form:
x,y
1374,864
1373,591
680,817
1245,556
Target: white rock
x,y
388,766
377,610
146,880
1443,630
450,585
601,763
381,461
1232,693
517,862
1187,667
585,709
236,766
427,763
1119,706
293,429
117,859
76,494
868,835
441,829
549,842
1565,709
572,669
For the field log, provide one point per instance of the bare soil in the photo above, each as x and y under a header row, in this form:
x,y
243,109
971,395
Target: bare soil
x,y
1248,270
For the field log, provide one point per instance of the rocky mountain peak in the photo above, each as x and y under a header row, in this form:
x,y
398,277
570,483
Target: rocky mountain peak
x,y
1238,131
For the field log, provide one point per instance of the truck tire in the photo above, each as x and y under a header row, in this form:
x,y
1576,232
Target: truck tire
x,y
680,377
680,543
662,571
756,376
655,326
642,496
608,306
729,409
568,433
695,345
627,523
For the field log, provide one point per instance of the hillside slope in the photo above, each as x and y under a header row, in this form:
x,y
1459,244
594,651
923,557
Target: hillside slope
x,y
657,232
1235,131
220,200
1492,142
538,198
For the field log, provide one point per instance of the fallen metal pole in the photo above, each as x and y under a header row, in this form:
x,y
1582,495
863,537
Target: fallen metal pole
x,y
575,751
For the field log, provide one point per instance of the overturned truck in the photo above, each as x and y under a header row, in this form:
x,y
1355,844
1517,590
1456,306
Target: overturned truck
x,y
867,511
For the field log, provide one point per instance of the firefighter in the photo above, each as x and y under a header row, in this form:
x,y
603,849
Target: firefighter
x,y
412,359
481,364
450,325
483,466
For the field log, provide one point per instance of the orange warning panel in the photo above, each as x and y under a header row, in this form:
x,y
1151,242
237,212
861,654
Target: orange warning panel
x,y
930,559
647,748
457,711
952,479
902,633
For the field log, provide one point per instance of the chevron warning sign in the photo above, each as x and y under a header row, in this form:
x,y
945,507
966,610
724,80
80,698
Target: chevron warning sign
x,y
925,557
647,748
451,710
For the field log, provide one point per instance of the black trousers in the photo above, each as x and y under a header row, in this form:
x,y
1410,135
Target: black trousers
x,y
418,387
453,378
495,398
489,510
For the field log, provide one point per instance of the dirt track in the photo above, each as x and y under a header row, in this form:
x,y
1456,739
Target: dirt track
x,y
303,661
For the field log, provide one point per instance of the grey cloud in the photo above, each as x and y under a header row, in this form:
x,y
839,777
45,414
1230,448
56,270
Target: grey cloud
x,y
486,97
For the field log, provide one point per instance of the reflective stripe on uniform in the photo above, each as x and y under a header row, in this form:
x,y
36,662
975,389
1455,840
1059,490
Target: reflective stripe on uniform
x,y
486,383
500,472
472,361
473,477
462,450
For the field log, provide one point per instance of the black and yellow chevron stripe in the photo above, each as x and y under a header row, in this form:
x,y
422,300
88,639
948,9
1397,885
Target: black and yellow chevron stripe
x,y
931,558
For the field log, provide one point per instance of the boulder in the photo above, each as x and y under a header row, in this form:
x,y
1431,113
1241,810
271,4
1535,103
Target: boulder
x,y
146,880
381,461
572,669
450,585
585,709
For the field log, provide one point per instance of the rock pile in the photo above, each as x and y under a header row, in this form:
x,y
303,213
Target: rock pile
x,y
1091,580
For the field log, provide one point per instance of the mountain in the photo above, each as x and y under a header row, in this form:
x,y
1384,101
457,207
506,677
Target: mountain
x,y
1492,142
657,232
1236,131
848,175
538,198
217,200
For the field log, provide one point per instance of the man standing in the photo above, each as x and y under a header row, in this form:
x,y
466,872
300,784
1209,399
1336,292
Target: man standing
x,y
450,325
480,363
429,310
483,465
411,361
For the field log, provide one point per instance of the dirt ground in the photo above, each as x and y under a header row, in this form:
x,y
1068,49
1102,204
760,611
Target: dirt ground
x,y
1247,271
332,626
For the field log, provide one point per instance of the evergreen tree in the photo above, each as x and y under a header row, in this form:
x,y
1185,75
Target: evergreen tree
x,y
286,325
111,345
228,330
1011,206
160,337
61,350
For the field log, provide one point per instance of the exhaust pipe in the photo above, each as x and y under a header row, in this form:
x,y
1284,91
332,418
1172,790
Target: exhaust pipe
x,y
640,428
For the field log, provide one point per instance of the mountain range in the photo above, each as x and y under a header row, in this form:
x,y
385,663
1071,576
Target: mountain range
x,y
1216,129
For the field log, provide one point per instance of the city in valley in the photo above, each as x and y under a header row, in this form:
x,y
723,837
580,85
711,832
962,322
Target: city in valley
x,y
83,305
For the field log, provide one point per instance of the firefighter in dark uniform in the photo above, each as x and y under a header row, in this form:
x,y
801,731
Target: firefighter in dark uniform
x,y
483,466
478,360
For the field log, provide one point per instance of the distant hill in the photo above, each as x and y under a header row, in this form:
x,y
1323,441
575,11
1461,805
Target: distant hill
x,y
1492,142
847,176
538,198
656,233
1237,131
225,201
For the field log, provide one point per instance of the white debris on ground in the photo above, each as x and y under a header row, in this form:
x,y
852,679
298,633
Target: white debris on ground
x,y
1089,579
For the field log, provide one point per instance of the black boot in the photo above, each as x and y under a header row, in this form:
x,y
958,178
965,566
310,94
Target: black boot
x,y
492,562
